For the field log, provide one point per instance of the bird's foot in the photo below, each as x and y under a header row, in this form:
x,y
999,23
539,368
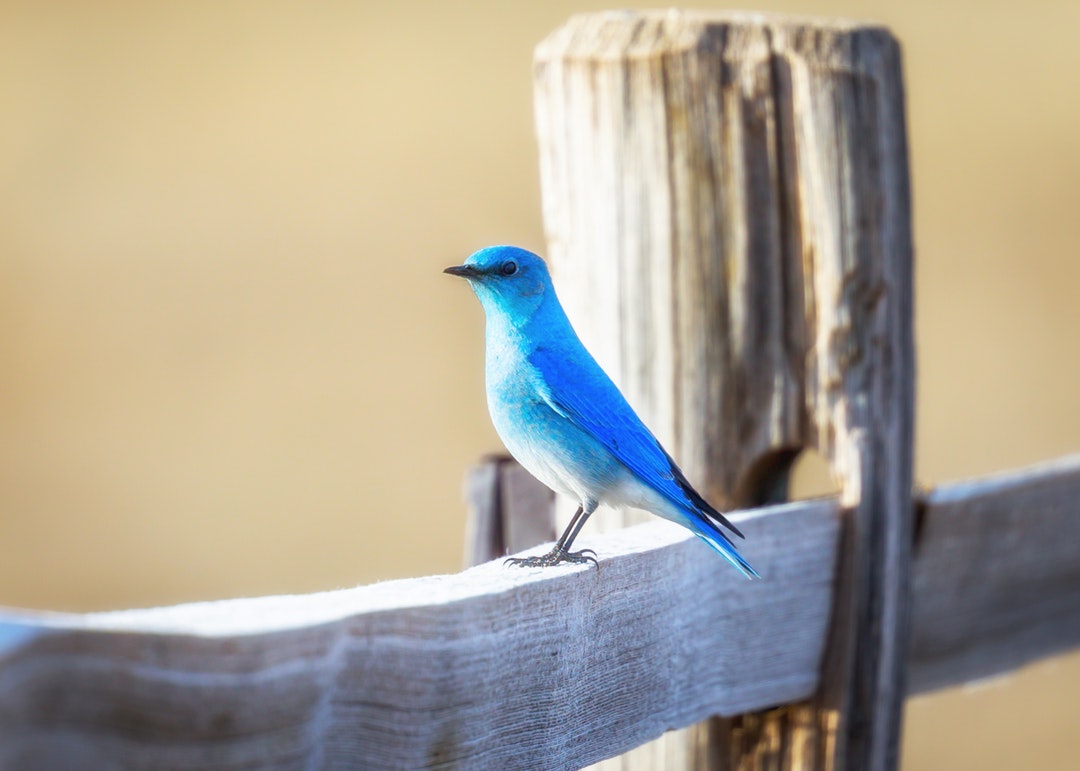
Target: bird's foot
x,y
555,557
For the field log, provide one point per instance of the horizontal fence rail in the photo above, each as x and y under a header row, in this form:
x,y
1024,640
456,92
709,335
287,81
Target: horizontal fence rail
x,y
997,575
497,668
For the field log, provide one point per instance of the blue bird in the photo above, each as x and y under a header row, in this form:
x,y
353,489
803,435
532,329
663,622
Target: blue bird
x,y
561,417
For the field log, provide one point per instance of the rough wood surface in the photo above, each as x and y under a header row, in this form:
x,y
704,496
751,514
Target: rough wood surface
x,y
509,511
997,575
493,668
497,668
727,210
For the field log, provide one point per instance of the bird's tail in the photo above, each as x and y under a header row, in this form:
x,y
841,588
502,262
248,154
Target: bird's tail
x,y
705,529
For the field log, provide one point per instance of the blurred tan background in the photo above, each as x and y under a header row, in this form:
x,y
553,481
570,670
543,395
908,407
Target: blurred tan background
x,y
230,365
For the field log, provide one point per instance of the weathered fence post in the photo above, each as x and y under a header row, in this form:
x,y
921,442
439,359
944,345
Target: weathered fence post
x,y
727,208
509,511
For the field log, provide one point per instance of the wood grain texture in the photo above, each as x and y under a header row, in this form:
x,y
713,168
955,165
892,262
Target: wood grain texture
x,y
484,539
997,575
497,668
727,209
509,511
493,668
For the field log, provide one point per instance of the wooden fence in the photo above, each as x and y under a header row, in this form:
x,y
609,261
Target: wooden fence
x,y
728,215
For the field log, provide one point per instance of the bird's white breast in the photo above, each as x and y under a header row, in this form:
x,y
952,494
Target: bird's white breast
x,y
545,442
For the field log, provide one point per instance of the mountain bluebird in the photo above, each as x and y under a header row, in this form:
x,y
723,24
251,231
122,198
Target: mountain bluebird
x,y
563,419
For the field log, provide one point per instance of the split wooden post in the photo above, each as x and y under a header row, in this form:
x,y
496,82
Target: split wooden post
x,y
509,511
727,208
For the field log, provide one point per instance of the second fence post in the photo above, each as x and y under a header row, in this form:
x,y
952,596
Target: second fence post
x,y
727,207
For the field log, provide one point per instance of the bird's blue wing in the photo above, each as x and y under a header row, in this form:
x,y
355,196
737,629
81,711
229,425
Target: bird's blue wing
x,y
575,386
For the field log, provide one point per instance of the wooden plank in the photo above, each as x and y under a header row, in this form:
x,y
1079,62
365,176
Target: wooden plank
x,y
492,668
997,575
484,539
509,511
727,209
528,510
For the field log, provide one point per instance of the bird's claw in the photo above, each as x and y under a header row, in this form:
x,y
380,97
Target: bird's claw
x,y
555,557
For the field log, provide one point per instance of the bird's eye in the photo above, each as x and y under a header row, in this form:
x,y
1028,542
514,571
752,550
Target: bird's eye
x,y
508,268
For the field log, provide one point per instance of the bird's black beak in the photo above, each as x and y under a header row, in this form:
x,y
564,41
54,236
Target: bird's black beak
x,y
465,271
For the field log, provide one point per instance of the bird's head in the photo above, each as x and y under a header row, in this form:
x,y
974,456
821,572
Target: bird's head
x,y
507,280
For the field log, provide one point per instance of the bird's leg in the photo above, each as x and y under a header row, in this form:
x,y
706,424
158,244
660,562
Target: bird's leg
x,y
561,553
